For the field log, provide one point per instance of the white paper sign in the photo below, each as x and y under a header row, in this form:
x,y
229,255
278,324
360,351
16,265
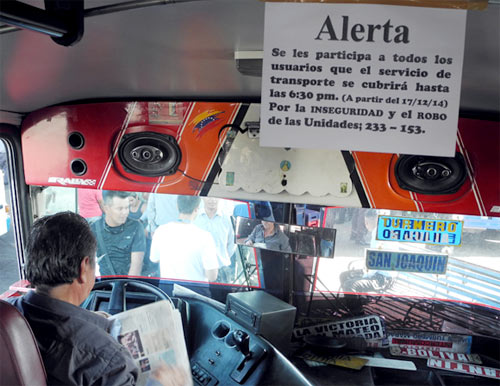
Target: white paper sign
x,y
362,77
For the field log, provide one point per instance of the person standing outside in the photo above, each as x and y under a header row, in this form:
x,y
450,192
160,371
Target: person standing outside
x,y
161,209
221,229
90,203
121,243
183,250
137,206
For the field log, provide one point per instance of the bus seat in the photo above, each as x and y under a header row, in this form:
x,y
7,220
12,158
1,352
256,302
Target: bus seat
x,y
20,360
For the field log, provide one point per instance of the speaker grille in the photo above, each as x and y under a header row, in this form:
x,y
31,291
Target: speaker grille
x,y
78,167
149,154
430,175
76,140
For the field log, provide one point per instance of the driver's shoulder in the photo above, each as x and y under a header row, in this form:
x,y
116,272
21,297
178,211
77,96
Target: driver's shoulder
x,y
89,354
92,337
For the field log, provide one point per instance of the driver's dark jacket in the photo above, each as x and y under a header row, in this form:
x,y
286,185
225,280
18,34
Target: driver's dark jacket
x,y
75,344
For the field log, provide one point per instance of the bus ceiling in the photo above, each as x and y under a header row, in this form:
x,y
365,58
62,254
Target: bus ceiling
x,y
186,51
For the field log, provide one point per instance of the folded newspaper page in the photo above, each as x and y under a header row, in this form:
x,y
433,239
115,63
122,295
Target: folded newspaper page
x,y
154,336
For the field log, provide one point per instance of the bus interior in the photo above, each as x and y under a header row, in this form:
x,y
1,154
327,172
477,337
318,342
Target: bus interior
x,y
157,99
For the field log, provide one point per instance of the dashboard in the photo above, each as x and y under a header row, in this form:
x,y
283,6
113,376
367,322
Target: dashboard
x,y
221,350
224,351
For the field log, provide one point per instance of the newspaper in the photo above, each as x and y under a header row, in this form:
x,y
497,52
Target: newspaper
x,y
154,336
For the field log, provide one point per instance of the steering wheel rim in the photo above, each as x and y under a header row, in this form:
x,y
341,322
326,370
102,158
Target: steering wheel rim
x,y
118,292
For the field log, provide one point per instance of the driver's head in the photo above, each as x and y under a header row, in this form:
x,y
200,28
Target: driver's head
x,y
58,247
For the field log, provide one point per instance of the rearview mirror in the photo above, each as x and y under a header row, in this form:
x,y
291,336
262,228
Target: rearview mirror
x,y
273,236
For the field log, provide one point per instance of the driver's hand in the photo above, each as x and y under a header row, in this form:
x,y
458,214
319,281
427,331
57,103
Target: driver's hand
x,y
249,242
169,375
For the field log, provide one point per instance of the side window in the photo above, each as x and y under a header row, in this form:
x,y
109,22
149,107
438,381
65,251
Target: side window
x,y
9,273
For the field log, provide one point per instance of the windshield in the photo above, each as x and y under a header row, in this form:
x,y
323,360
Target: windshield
x,y
449,286
149,228
377,254
433,268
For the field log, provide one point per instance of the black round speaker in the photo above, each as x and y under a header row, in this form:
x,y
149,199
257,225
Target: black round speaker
x,y
430,175
78,167
149,154
76,140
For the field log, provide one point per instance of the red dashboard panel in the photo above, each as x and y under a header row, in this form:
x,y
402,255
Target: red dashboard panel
x,y
199,130
49,154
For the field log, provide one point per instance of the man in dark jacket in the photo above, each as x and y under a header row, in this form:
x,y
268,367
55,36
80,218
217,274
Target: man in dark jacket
x,y
75,344
121,242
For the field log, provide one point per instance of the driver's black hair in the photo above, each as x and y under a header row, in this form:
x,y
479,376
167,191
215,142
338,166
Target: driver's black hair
x,y
56,247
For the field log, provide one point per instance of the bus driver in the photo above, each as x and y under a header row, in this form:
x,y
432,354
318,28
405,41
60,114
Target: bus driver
x,y
74,343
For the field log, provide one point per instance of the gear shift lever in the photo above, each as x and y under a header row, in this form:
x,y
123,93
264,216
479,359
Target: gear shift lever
x,y
250,359
242,341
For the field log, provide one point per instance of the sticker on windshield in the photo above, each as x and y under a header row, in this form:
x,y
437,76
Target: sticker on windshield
x,y
431,340
464,368
434,354
368,327
418,230
348,361
406,262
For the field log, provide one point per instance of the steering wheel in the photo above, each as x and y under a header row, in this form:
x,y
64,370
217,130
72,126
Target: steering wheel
x,y
118,292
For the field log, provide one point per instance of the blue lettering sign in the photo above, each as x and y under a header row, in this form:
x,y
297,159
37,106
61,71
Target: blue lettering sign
x,y
427,231
406,262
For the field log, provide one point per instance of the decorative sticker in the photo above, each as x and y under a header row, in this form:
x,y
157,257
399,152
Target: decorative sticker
x,y
229,178
166,113
405,261
205,121
464,368
418,230
431,340
426,353
285,165
348,361
368,327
